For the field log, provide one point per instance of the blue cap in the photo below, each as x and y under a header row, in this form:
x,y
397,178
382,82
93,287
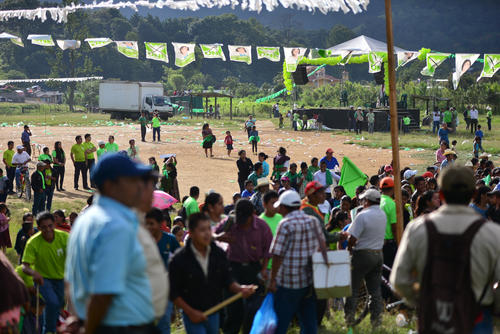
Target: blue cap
x,y
112,166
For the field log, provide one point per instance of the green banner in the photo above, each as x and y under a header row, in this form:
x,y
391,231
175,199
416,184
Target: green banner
x,y
17,41
240,53
271,53
433,60
42,40
184,54
212,51
351,177
375,60
128,49
98,42
491,65
156,51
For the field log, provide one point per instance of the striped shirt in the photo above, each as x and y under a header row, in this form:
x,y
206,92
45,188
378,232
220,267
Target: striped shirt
x,y
296,242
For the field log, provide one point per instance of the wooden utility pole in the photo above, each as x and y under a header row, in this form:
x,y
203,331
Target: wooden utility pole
x,y
394,120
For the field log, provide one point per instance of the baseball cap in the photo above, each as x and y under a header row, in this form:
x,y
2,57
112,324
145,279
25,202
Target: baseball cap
x,y
456,178
19,147
409,173
388,168
114,165
428,175
387,182
40,164
288,198
312,187
329,150
371,195
285,178
101,142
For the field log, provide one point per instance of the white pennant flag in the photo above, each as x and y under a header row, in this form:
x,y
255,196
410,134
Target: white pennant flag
x,y
463,62
405,57
212,51
240,53
156,51
68,44
128,49
271,53
42,40
184,54
14,39
292,57
98,42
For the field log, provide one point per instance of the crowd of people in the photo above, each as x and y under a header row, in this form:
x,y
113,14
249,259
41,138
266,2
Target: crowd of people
x,y
130,267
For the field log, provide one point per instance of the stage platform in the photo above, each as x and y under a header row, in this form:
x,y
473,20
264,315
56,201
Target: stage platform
x,y
338,117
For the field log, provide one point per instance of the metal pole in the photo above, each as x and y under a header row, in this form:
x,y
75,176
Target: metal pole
x,y
394,120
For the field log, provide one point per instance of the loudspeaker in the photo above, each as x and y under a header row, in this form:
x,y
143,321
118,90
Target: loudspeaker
x,y
379,76
300,75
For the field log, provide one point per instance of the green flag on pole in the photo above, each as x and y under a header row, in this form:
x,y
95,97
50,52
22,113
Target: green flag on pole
x,y
351,177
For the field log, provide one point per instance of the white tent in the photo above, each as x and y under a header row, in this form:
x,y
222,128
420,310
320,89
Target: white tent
x,y
362,45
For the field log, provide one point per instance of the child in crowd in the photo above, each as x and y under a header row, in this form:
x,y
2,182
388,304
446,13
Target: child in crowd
x,y
314,165
454,145
45,155
133,151
254,139
293,176
304,177
101,150
479,133
4,187
248,192
72,218
4,228
281,124
178,232
154,164
229,143
111,146
476,146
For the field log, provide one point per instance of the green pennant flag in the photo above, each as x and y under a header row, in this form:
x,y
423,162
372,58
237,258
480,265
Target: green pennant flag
x,y
351,177
433,60
375,60
491,65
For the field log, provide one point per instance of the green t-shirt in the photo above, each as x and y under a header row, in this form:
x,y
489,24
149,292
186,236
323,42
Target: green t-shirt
x,y
273,223
48,175
489,114
407,120
54,155
370,117
296,117
47,258
78,152
100,151
388,205
44,157
313,169
27,279
191,206
447,116
7,156
89,146
143,121
156,122
111,147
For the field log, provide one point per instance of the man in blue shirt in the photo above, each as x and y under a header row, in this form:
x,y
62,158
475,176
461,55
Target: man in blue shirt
x,y
167,245
443,134
25,139
329,159
106,266
479,133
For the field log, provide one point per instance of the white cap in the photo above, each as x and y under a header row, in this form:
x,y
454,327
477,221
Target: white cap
x,y
101,142
371,195
19,147
409,173
40,164
288,198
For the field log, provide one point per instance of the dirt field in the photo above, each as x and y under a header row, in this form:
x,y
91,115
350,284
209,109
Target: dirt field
x,y
218,173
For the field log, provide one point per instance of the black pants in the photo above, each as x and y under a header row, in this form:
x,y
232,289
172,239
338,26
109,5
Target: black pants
x,y
90,166
489,123
11,175
473,125
155,132
27,146
359,124
143,132
59,175
254,146
80,167
241,183
389,250
240,314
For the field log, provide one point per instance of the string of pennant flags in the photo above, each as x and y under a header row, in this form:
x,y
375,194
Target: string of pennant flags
x,y
293,56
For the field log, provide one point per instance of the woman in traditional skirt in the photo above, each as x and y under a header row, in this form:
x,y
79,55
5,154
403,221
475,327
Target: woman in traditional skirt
x,y
208,139
4,228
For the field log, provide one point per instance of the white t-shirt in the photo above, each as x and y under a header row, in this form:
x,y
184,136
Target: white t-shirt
x,y
321,178
474,114
325,207
21,158
436,116
369,228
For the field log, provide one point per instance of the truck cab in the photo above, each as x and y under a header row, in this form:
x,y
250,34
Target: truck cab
x,y
162,104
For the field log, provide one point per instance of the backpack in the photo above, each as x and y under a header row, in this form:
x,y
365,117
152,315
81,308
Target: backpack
x,y
447,303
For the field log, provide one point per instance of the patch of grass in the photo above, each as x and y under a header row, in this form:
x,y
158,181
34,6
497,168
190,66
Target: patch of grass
x,y
18,207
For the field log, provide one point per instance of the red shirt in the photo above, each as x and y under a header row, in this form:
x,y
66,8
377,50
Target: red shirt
x,y
228,140
64,227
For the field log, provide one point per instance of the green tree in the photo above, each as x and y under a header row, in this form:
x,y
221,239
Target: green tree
x,y
177,81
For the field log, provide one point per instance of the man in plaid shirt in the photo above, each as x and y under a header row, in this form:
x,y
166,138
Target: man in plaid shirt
x,y
297,238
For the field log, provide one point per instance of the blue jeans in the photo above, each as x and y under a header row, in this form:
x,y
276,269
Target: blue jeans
x,y
52,291
18,176
300,302
49,193
211,326
435,126
156,131
164,323
486,325
38,202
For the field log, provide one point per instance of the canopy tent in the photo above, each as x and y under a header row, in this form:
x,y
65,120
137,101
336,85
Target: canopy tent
x,y
362,45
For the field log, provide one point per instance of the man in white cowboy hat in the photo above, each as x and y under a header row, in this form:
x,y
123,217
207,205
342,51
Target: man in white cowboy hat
x,y
261,189
450,158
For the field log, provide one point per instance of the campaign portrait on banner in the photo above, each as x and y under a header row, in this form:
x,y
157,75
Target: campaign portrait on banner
x,y
463,62
240,53
491,65
212,51
128,49
375,60
156,51
98,42
271,53
406,57
292,57
184,54
433,60
42,40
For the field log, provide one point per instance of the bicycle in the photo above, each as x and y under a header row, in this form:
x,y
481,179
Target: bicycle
x,y
25,184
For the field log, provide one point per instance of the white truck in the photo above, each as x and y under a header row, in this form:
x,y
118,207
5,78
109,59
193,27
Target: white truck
x,y
126,99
